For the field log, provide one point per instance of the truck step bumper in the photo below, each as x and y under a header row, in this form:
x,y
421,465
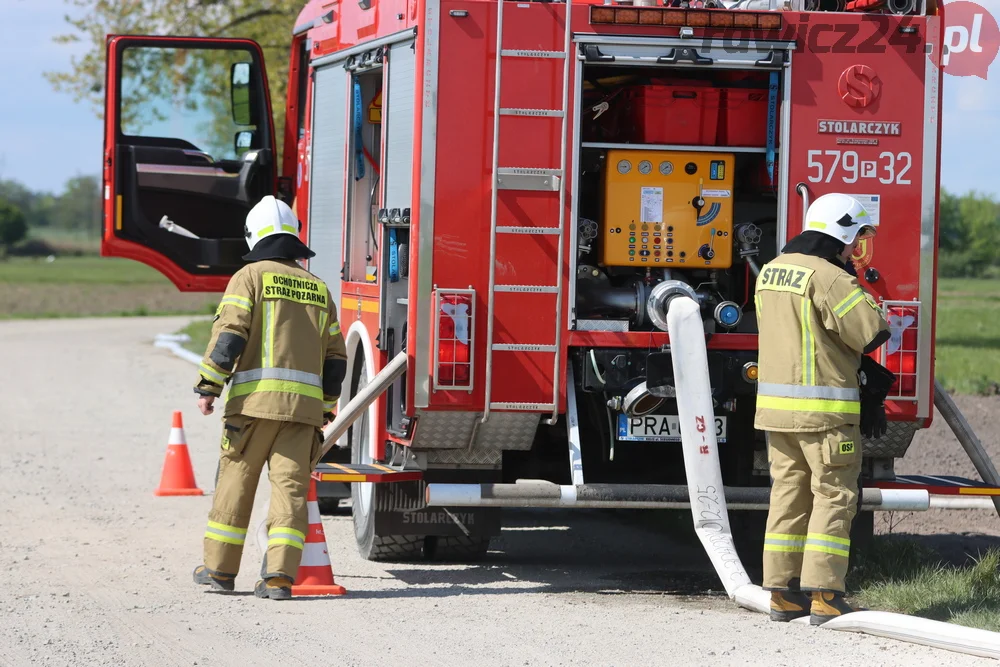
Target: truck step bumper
x,y
539,493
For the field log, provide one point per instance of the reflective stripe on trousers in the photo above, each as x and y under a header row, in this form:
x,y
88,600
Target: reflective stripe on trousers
x,y
221,532
286,536
828,544
784,542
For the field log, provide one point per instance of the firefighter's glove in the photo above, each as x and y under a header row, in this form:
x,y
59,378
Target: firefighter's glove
x,y
873,422
875,381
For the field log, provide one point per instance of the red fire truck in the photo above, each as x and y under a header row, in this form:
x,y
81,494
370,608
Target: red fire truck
x,y
508,193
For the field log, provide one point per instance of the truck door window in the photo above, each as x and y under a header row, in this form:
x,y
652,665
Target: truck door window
x,y
193,149
181,94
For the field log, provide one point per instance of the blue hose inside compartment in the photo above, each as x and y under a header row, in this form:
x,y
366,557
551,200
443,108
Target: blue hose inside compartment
x,y
772,122
359,150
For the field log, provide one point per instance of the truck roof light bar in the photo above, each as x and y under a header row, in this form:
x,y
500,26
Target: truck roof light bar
x,y
699,18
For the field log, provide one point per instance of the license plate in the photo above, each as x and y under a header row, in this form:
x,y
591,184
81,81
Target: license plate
x,y
659,428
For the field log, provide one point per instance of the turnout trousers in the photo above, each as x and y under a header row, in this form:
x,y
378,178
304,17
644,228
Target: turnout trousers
x,y
814,498
290,450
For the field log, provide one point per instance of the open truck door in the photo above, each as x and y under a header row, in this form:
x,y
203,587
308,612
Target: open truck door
x,y
188,151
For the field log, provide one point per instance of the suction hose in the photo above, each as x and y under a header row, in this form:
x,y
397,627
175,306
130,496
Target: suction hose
x,y
967,437
338,427
711,518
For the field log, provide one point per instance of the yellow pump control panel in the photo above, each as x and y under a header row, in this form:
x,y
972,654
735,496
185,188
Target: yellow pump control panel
x,y
668,209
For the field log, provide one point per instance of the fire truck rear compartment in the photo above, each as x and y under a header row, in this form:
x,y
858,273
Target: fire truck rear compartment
x,y
673,197
673,186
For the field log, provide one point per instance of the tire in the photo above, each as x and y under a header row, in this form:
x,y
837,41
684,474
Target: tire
x,y
366,497
456,549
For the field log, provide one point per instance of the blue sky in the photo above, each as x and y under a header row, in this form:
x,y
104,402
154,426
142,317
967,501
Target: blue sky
x,y
46,137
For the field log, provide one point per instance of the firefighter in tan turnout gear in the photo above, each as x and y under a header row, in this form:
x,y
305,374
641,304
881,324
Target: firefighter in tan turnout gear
x,y
277,341
815,388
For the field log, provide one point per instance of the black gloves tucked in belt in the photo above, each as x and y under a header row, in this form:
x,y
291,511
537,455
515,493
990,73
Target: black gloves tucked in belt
x,y
875,380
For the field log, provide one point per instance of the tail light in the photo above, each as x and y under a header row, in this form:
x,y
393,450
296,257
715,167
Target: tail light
x,y
899,354
453,338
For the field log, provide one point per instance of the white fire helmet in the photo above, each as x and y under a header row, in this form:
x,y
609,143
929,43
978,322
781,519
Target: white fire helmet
x,y
840,216
270,216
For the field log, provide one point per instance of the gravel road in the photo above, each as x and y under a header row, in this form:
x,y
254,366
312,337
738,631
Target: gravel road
x,y
98,569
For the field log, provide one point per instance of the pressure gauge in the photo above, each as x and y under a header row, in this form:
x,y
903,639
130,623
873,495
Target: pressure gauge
x,y
645,167
624,166
666,168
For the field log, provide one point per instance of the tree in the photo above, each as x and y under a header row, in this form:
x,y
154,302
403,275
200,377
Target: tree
x,y
79,206
13,226
268,22
36,206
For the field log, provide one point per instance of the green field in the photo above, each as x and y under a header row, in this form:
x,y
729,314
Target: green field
x,y
968,337
968,341
91,287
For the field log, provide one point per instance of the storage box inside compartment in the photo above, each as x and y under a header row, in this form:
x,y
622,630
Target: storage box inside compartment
x,y
675,114
743,117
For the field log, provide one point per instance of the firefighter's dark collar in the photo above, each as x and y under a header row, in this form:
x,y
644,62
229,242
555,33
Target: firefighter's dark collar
x,y
818,245
279,246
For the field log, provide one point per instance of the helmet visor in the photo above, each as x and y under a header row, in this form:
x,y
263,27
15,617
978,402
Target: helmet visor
x,y
866,232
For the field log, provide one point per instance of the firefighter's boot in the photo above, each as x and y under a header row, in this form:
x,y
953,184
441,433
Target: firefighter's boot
x,y
788,605
275,588
827,606
217,581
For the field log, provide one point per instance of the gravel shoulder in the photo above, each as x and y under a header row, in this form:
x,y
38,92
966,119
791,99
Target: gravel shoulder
x,y
99,569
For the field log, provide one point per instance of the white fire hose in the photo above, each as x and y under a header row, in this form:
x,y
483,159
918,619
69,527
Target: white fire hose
x,y
700,448
711,518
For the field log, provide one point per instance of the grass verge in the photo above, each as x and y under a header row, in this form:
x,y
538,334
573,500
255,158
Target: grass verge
x,y
200,332
901,575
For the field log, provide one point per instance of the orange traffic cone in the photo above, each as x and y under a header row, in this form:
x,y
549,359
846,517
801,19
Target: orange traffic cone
x,y
177,478
315,575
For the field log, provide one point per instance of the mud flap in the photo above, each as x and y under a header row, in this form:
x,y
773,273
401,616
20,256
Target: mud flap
x,y
439,521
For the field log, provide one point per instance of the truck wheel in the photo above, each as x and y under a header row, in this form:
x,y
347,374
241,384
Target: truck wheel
x,y
368,498
456,549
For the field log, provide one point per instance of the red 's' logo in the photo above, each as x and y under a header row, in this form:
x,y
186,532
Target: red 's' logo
x,y
859,86
971,40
